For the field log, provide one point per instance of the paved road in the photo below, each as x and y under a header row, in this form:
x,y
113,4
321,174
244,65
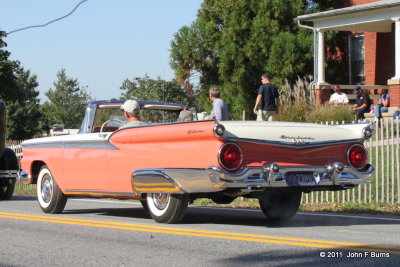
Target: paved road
x,y
120,233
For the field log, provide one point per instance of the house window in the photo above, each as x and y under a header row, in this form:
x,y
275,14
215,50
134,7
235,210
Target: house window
x,y
356,60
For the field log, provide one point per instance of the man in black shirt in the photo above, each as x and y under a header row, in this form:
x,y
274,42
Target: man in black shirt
x,y
363,103
267,93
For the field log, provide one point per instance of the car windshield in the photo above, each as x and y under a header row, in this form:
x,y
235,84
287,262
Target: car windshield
x,y
111,117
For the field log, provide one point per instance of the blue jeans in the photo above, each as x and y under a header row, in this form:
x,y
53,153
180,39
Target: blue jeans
x,y
396,114
378,111
360,113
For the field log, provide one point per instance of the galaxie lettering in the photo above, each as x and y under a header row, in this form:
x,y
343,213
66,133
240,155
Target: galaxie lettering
x,y
195,131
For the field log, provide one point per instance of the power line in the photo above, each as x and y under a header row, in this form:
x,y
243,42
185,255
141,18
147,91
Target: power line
x,y
44,25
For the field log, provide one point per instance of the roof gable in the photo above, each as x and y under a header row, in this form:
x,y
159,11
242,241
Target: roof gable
x,y
372,17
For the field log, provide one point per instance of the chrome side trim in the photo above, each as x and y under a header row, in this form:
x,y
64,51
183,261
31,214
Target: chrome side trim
x,y
89,144
97,193
53,144
84,144
161,124
294,145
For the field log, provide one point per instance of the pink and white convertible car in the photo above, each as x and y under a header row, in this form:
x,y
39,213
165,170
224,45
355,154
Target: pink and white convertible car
x,y
168,164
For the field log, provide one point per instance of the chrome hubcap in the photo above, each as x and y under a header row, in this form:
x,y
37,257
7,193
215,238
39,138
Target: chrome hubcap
x,y
160,200
47,188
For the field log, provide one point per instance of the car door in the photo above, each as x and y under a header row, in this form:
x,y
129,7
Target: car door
x,y
85,162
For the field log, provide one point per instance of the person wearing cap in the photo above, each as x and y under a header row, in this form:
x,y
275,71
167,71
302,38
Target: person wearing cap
x,y
185,115
338,97
132,114
363,103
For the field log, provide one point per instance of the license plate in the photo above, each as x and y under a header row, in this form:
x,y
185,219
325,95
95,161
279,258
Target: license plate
x,y
299,178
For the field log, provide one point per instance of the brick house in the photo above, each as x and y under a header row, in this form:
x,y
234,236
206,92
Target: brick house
x,y
373,51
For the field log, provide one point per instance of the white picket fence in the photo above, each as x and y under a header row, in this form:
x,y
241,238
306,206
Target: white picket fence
x,y
383,151
15,145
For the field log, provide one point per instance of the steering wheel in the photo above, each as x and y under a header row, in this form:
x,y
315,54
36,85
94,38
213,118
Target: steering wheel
x,y
107,121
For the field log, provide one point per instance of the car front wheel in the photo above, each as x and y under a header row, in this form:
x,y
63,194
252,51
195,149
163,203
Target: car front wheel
x,y
167,208
51,198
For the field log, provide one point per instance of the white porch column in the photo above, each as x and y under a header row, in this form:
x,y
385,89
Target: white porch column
x,y
397,48
321,57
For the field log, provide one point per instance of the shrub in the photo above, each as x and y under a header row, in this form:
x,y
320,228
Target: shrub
x,y
297,112
328,112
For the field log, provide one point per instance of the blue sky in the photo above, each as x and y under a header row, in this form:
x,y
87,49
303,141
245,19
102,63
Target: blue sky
x,y
101,44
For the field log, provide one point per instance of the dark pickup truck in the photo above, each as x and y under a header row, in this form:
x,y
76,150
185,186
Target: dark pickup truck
x,y
9,165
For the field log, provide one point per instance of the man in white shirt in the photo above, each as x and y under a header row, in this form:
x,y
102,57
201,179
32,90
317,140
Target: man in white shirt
x,y
132,114
338,97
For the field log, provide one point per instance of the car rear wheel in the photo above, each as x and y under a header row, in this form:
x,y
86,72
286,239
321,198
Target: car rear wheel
x,y
280,203
8,161
167,208
51,198
7,189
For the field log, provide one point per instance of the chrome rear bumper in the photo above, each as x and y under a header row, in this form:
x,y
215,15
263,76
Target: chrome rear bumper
x,y
214,179
7,174
273,175
20,175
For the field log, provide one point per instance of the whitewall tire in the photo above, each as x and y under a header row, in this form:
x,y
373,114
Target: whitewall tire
x,y
167,208
51,198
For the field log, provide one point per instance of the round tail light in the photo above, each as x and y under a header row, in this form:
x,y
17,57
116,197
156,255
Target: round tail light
x,y
357,156
230,156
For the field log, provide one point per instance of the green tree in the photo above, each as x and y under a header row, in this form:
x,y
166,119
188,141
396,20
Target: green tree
x,y
67,102
18,90
24,117
144,88
232,42
7,72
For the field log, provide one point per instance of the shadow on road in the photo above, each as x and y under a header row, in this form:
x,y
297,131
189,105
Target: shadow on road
x,y
198,215
138,212
208,215
22,198
225,216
